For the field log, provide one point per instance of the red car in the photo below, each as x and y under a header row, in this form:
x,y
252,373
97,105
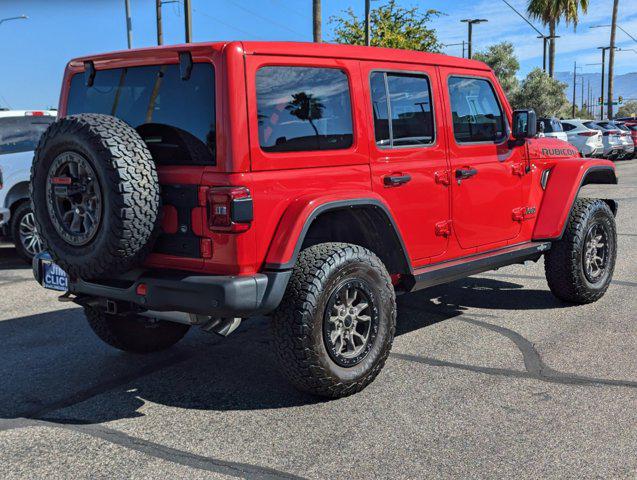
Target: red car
x,y
204,183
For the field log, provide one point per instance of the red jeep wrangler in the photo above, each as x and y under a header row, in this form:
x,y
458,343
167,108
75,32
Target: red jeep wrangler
x,y
205,183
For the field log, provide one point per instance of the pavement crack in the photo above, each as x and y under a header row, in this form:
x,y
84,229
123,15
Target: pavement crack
x,y
535,368
156,450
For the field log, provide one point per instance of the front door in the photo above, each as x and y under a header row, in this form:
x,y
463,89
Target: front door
x,y
408,156
486,171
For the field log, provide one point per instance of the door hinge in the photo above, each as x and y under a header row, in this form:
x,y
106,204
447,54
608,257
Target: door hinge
x,y
518,169
442,177
523,213
443,229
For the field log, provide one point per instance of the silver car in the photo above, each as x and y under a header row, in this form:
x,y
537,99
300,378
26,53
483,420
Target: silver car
x,y
611,137
587,140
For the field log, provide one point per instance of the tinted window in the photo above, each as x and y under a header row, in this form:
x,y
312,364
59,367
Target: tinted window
x,y
592,125
409,96
175,117
568,126
476,113
303,108
21,134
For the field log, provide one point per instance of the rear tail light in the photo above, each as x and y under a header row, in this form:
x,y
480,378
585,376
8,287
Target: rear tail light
x,y
587,134
34,113
230,209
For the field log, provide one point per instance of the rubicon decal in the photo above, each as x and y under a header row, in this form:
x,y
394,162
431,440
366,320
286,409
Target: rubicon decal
x,y
559,152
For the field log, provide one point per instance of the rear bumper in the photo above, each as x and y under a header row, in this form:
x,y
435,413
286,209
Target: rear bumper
x,y
5,215
214,295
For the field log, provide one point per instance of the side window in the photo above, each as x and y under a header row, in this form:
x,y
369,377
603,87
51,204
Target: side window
x,y
477,116
303,108
568,126
401,105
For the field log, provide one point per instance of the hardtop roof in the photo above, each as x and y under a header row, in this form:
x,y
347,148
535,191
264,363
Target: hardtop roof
x,y
292,49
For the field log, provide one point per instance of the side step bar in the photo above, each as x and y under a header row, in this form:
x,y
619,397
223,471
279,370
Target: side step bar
x,y
449,271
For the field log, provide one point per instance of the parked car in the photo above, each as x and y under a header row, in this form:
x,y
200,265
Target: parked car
x,y
628,147
551,127
311,182
611,138
20,131
632,126
587,140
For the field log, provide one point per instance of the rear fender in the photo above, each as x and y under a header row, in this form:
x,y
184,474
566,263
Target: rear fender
x,y
301,213
565,180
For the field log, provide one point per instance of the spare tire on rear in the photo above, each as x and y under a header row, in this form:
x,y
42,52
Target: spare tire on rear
x,y
95,195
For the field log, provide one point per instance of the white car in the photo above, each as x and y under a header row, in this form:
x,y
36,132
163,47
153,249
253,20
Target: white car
x,y
611,137
551,127
20,131
587,140
626,138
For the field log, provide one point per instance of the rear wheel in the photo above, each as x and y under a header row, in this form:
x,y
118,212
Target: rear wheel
x,y
134,333
335,326
24,232
579,267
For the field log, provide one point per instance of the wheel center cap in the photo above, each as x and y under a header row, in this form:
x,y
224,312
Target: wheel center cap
x,y
347,322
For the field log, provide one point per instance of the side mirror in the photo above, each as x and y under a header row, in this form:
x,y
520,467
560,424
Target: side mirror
x,y
524,124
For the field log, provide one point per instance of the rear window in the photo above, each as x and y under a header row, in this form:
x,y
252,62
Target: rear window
x,y
303,108
21,134
175,117
592,126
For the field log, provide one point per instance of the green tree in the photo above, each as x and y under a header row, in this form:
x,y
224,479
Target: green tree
x,y
551,12
391,26
306,107
542,93
501,58
628,109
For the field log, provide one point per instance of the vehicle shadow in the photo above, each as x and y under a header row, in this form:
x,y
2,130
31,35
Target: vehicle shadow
x,y
51,363
9,259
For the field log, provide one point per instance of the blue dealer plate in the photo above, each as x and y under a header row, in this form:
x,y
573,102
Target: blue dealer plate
x,y
53,277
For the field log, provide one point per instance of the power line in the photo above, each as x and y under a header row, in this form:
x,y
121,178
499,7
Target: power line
x,y
224,23
291,10
265,19
523,18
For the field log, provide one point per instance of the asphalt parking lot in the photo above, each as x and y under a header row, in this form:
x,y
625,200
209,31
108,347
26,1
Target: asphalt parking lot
x,y
490,376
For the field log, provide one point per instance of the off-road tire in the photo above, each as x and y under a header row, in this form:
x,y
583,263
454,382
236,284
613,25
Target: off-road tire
x,y
134,333
564,264
18,213
298,322
129,186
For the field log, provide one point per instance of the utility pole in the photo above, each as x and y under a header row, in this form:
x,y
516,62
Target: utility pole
x,y
129,24
316,20
188,20
601,110
470,22
611,60
160,35
368,27
582,104
574,85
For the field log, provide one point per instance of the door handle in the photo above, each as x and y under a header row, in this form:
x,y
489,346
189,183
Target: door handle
x,y
465,173
396,180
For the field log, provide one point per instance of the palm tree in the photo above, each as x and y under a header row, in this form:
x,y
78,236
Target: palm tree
x,y
551,12
305,106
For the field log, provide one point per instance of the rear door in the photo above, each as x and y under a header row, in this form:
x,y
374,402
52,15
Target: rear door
x,y
407,152
487,173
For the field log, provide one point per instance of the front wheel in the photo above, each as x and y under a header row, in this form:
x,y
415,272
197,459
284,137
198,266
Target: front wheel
x,y
24,232
579,267
335,326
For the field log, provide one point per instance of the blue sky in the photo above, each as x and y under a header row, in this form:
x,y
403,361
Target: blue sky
x,y
34,51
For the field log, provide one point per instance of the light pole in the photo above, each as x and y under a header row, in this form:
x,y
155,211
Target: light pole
x,y
368,27
470,23
129,25
592,111
316,21
21,17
